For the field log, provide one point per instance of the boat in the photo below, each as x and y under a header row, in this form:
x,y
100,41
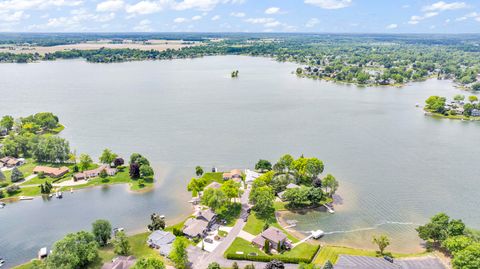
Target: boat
x,y
23,198
317,234
116,230
2,262
2,205
42,253
71,190
59,195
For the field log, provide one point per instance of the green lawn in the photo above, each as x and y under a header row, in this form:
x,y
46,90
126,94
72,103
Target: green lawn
x,y
332,253
213,176
303,251
255,227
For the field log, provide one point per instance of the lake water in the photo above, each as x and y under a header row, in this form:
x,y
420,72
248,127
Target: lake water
x,y
396,167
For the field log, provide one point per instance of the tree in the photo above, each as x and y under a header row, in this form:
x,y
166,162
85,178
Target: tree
x,y
266,246
46,188
275,264
196,185
158,223
231,189
436,229
297,197
317,182
279,183
284,163
85,161
313,167
107,157
46,120
51,149
12,189
139,159
118,162
235,265
476,86
214,198
250,266
121,245
75,250
102,230
178,254
456,227
468,258
2,195
103,174
7,122
382,242
214,265
262,198
459,97
198,171
263,165
2,176
331,184
134,170
455,244
435,104
16,175
472,98
328,265
146,171
149,263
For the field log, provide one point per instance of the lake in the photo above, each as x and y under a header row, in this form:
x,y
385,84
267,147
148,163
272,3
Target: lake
x,y
396,167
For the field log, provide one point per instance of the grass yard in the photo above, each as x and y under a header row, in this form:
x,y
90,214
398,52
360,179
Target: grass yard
x,y
255,227
213,176
302,251
332,253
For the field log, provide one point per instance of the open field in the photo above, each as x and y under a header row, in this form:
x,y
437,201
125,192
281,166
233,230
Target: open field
x,y
159,45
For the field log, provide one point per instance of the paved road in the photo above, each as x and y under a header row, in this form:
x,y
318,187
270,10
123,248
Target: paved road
x,y
201,259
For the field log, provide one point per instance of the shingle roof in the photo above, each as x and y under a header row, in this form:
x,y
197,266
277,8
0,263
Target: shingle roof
x,y
160,238
195,227
274,235
120,262
207,214
361,262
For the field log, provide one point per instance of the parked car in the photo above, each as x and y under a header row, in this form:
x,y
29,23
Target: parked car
x,y
208,240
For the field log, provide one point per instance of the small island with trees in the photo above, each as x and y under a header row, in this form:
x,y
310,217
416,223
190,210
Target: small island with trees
x,y
458,108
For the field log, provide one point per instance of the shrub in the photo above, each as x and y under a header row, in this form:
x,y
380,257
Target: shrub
x,y
12,189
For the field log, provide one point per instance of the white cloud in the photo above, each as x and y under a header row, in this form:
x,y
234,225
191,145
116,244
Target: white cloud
x,y
143,26
442,6
266,22
180,20
330,4
416,19
36,4
272,10
145,7
238,14
216,18
471,15
196,18
392,26
204,5
13,17
110,5
312,22
74,22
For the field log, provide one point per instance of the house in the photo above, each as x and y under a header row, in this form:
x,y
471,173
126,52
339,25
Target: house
x,y
11,162
121,262
235,173
361,262
161,240
201,224
95,172
289,186
250,176
3,131
213,185
51,171
276,238
475,112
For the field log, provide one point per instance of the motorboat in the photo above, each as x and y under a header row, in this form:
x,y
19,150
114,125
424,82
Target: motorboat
x,y
317,234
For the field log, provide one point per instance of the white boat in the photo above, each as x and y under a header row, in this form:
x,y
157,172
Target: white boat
x,y
25,198
59,195
2,261
317,234
2,205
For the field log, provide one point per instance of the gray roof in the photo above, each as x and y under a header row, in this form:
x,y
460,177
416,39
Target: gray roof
x,y
160,238
274,235
292,186
120,262
362,262
206,214
195,227
165,250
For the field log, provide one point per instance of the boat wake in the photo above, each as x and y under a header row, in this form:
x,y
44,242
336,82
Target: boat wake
x,y
374,227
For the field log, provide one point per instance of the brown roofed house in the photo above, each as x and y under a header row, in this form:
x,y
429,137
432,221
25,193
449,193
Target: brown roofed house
x,y
121,262
276,238
95,172
235,173
51,171
10,162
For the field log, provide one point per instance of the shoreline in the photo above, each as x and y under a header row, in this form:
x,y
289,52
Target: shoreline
x,y
450,117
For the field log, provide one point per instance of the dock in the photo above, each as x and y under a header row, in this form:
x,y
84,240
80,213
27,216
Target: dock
x,y
329,209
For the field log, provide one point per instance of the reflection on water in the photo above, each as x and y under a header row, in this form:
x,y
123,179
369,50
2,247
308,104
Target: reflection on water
x,y
393,163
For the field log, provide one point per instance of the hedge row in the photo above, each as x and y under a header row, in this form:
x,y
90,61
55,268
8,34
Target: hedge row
x,y
264,258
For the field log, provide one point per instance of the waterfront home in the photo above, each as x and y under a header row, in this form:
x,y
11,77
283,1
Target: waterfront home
x,y
42,253
475,112
95,172
250,176
235,173
161,240
51,171
11,162
121,262
200,225
3,131
273,236
362,262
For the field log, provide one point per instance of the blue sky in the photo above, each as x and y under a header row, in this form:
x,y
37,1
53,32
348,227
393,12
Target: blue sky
x,y
338,16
